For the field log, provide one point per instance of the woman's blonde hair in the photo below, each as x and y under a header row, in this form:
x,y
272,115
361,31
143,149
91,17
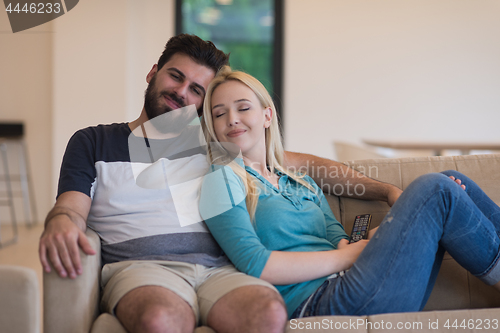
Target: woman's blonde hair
x,y
274,147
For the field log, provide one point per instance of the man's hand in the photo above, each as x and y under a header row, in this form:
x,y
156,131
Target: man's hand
x,y
393,195
64,235
331,175
60,244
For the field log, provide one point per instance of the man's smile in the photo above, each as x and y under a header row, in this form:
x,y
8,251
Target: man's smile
x,y
173,102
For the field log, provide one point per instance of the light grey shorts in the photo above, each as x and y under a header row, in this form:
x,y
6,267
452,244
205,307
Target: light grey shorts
x,y
198,285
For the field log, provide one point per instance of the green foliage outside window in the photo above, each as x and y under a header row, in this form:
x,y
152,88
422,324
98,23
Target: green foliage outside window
x,y
244,28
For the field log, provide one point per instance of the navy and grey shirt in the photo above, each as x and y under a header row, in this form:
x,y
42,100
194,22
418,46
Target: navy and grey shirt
x,y
144,194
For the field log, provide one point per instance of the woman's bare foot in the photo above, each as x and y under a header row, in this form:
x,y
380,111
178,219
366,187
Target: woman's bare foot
x,y
458,181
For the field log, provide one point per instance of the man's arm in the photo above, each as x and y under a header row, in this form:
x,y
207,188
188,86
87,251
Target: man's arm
x,y
64,233
338,179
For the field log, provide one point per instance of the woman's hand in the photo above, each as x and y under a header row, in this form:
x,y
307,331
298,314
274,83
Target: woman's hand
x,y
295,267
343,243
372,232
458,181
351,252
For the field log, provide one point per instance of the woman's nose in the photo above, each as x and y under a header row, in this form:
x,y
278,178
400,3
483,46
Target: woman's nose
x,y
233,118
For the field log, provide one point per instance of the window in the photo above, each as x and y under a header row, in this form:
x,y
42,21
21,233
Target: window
x,y
251,30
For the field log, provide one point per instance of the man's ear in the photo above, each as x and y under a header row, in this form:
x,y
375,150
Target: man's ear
x,y
268,114
152,73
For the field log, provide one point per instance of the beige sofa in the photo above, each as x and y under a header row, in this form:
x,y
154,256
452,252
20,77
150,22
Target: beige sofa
x,y
19,300
459,301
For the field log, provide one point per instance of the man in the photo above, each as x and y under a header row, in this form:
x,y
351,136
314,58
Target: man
x,y
158,276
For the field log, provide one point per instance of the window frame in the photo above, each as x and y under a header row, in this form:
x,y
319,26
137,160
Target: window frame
x,y
277,59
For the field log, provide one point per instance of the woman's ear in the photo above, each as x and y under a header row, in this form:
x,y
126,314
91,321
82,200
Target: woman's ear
x,y
268,115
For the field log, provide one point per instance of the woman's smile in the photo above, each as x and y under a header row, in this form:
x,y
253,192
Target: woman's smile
x,y
235,133
239,117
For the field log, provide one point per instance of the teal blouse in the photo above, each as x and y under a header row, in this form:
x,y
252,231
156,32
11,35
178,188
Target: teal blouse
x,y
291,218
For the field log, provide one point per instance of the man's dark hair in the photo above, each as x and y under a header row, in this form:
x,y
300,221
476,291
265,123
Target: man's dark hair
x,y
202,52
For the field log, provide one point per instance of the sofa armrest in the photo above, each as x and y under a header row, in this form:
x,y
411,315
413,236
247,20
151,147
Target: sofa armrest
x,y
73,305
19,300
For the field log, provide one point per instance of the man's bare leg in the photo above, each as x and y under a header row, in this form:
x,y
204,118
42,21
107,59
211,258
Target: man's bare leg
x,y
249,309
155,309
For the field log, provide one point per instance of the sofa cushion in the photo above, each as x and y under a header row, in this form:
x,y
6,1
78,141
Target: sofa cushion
x,y
107,323
484,320
455,288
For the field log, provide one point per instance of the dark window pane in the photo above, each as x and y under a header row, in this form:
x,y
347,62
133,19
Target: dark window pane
x,y
245,28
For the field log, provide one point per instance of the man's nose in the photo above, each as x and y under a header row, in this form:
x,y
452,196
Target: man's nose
x,y
182,89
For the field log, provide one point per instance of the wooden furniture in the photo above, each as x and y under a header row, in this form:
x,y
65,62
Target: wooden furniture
x,y
12,136
437,147
7,199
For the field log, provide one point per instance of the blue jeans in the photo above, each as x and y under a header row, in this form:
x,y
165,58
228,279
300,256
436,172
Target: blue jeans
x,y
398,268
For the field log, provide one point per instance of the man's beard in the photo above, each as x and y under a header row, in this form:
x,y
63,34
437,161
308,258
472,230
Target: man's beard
x,y
160,115
153,100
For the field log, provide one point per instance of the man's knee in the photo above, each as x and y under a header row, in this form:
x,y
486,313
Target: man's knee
x,y
268,307
251,309
159,318
273,312
155,309
153,319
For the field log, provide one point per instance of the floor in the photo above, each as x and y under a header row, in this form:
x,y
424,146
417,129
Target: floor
x,y
24,252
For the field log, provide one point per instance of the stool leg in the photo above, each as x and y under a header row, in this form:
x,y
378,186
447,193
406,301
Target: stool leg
x,y
10,196
27,186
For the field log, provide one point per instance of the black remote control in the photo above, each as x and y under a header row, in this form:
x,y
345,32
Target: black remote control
x,y
360,227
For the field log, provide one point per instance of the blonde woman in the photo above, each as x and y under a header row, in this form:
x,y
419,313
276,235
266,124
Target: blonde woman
x,y
277,225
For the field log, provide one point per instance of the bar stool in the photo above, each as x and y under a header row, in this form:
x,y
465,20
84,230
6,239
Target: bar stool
x,y
12,134
9,200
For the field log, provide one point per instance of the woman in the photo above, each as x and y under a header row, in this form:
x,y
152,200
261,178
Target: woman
x,y
276,225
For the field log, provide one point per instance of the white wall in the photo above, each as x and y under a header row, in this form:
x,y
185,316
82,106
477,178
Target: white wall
x,y
391,69
89,71
25,95
387,69
103,51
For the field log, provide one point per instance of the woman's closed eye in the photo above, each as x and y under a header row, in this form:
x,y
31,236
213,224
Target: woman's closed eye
x,y
243,105
218,114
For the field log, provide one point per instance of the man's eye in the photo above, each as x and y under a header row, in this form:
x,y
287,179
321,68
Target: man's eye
x,y
176,77
196,91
